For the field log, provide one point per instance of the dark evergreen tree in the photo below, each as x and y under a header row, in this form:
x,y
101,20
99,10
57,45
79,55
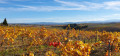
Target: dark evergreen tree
x,y
5,22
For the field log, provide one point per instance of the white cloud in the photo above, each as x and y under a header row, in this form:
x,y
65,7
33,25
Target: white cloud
x,y
112,16
89,6
70,3
92,6
39,8
112,5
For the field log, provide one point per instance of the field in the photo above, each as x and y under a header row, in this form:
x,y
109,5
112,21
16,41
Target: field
x,y
52,41
110,27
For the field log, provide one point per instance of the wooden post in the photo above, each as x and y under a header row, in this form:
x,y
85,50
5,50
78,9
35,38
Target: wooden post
x,y
91,40
84,39
109,47
95,39
14,29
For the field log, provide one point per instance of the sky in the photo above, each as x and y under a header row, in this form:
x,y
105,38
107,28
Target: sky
x,y
28,11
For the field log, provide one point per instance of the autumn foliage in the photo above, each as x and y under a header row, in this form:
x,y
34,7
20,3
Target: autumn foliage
x,y
67,42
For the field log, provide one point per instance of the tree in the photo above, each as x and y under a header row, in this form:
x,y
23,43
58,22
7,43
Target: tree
x,y
5,22
75,26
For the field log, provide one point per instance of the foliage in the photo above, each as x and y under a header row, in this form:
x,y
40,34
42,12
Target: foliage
x,y
31,40
75,26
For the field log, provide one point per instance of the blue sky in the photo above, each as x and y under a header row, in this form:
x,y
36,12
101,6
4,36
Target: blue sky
x,y
28,11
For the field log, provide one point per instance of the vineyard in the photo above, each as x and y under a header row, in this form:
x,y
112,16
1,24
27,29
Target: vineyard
x,y
41,41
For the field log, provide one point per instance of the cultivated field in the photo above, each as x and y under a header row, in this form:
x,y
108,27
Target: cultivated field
x,y
45,41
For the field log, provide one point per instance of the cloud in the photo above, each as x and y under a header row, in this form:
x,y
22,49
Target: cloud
x,y
92,6
77,18
80,5
39,8
72,6
65,5
112,5
112,16
69,3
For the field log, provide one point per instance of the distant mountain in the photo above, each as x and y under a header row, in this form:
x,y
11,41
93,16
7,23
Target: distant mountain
x,y
115,20
46,23
55,23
